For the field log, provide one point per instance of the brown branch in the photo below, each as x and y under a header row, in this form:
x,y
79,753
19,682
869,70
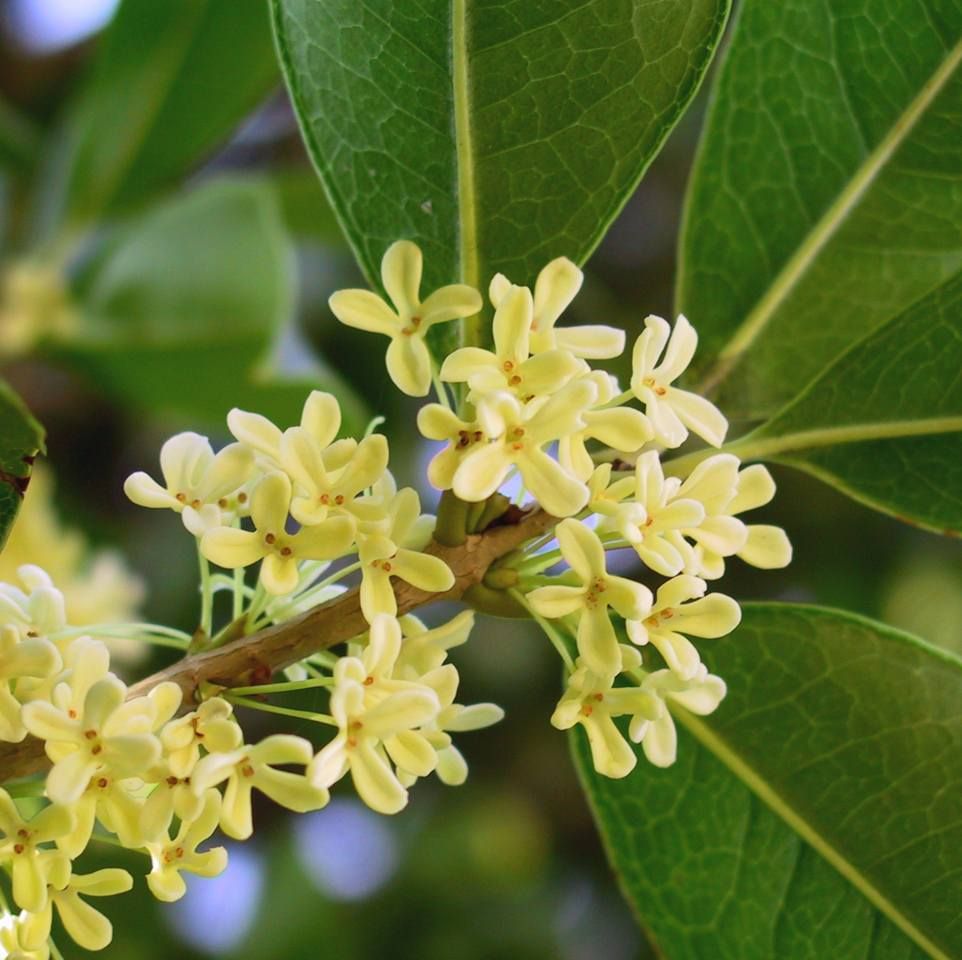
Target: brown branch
x,y
252,659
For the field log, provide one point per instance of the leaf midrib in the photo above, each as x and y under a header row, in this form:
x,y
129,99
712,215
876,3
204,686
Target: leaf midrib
x,y
782,808
833,218
471,331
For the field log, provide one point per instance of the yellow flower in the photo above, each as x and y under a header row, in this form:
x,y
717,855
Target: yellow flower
x,y
591,599
197,482
270,541
408,359
519,433
557,285
510,366
672,412
171,856
591,700
248,767
680,608
88,928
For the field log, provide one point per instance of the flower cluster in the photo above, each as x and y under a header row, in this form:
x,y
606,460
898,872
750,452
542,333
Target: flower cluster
x,y
313,514
535,410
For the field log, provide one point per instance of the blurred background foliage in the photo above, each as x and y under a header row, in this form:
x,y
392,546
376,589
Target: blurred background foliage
x,y
167,253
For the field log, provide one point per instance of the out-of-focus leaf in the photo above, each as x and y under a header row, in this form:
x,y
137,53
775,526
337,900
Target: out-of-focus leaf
x,y
18,139
827,194
21,439
495,134
884,422
307,214
815,814
183,313
170,82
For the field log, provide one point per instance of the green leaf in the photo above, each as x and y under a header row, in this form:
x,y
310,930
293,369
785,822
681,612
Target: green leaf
x,y
827,194
184,311
307,214
884,422
815,814
495,134
18,139
21,439
170,82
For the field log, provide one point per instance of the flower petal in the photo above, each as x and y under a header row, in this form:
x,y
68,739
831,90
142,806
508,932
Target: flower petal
x,y
147,492
401,268
409,365
767,547
375,781
481,472
364,310
229,547
701,416
556,601
450,303
550,484
321,417
590,341
557,285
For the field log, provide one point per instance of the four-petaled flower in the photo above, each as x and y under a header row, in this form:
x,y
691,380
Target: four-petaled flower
x,y
510,366
681,608
170,856
519,432
248,767
673,412
556,286
197,481
408,359
590,600
270,542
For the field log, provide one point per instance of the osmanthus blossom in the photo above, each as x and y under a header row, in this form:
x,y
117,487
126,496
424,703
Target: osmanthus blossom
x,y
672,411
24,846
448,762
34,657
718,534
36,611
621,429
391,546
251,767
761,545
591,599
320,419
297,499
197,482
510,366
85,661
408,359
170,856
654,520
321,491
681,609
211,725
437,422
519,433
374,712
97,586
112,800
700,694
107,734
591,700
86,925
270,542
556,286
